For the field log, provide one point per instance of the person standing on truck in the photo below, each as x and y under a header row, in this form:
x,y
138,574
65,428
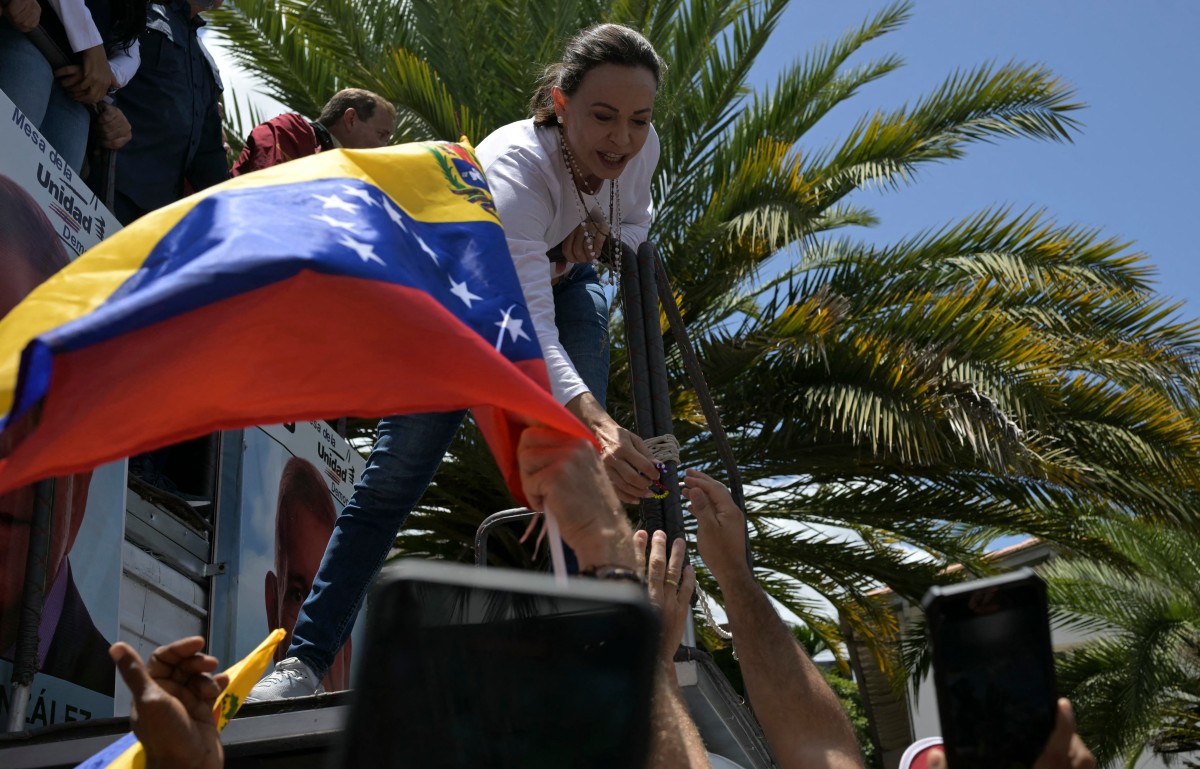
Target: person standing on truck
x,y
171,104
589,147
100,39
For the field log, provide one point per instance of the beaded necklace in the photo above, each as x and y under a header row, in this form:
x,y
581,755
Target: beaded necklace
x,y
609,255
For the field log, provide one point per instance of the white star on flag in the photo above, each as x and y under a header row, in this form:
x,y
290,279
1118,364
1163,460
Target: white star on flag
x,y
334,222
512,325
425,247
365,251
395,215
362,195
462,292
474,176
333,201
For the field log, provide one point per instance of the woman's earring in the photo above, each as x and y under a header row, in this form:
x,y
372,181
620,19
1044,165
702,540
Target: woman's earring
x,y
560,119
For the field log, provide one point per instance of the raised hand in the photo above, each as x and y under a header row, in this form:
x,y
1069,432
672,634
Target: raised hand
x,y
173,698
669,583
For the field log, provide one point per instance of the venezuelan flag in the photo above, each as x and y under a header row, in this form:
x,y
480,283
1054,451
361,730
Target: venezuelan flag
x,y
366,282
128,753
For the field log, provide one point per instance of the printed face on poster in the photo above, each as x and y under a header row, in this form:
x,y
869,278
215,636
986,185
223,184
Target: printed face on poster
x,y
47,217
80,617
70,210
295,481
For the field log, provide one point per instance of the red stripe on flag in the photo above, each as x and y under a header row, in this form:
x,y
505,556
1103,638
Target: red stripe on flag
x,y
311,347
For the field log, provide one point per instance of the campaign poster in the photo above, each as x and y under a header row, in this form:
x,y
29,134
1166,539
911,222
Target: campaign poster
x,y
296,479
48,217
80,617
70,210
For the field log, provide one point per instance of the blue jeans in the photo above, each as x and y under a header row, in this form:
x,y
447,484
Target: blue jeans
x,y
408,449
26,78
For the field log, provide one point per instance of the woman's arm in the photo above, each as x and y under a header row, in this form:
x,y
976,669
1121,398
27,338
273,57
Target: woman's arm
x,y
77,21
527,212
625,456
124,63
88,81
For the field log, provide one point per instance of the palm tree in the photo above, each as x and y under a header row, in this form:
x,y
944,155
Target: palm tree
x,y
894,408
1136,684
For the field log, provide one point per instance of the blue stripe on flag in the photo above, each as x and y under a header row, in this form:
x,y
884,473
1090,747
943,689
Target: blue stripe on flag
x,y
105,757
237,241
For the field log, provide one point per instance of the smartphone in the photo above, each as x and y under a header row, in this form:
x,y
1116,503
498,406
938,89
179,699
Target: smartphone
x,y
993,669
466,668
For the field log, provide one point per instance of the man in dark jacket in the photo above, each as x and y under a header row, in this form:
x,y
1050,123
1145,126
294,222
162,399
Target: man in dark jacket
x,y
171,105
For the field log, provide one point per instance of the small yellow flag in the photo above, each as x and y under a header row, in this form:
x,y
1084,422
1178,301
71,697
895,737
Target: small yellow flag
x,y
243,676
127,752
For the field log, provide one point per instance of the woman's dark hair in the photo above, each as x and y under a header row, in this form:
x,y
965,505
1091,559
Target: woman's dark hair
x,y
128,19
601,44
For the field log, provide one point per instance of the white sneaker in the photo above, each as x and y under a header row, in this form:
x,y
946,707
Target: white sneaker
x,y
292,678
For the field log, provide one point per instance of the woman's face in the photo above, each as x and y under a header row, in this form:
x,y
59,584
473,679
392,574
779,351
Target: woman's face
x,y
607,119
20,277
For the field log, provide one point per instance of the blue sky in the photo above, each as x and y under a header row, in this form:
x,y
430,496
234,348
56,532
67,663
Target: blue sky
x,y
1133,169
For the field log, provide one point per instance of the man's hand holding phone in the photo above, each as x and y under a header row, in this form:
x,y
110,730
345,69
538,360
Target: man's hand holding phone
x,y
1065,750
993,670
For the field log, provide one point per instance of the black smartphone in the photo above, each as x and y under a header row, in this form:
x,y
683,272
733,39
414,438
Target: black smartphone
x,y
993,669
466,667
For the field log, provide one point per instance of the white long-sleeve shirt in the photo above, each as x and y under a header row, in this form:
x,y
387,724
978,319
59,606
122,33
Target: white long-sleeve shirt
x,y
77,21
82,34
538,209
124,62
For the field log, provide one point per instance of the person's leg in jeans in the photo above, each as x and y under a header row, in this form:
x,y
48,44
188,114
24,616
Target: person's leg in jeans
x,y
581,315
25,75
66,126
407,452
26,78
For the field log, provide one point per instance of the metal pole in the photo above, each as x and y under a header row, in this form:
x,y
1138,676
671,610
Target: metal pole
x,y
635,341
25,662
639,373
668,511
491,522
660,393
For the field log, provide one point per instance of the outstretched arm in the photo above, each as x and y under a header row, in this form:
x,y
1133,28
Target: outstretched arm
x,y
173,698
801,717
562,476
527,206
